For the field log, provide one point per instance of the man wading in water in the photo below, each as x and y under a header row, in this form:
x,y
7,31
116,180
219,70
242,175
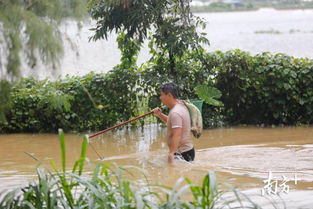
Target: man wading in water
x,y
178,124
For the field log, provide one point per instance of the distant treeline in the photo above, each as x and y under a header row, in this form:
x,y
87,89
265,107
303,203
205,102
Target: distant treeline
x,y
252,5
262,89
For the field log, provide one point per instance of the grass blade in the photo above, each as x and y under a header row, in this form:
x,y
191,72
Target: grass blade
x,y
63,151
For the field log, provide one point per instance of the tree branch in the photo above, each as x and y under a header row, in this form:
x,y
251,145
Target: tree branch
x,y
31,4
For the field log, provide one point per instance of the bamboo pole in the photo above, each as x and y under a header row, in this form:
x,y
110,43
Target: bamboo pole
x,y
121,124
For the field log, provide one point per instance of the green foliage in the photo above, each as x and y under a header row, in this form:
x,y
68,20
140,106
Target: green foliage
x,y
5,89
134,17
30,28
172,27
91,102
38,106
262,89
81,161
205,196
192,71
209,94
63,151
129,51
268,89
107,187
29,32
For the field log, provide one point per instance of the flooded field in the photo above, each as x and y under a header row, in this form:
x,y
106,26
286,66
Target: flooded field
x,y
242,157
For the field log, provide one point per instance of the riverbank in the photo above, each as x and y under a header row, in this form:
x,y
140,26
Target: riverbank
x,y
251,6
268,89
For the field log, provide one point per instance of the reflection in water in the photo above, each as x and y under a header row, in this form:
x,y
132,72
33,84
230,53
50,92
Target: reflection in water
x,y
240,156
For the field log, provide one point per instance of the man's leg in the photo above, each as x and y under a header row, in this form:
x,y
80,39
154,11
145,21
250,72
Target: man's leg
x,y
188,155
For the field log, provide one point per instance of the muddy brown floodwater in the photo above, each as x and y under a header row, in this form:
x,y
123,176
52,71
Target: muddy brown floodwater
x,y
242,157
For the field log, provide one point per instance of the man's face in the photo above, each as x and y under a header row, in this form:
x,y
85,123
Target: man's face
x,y
164,97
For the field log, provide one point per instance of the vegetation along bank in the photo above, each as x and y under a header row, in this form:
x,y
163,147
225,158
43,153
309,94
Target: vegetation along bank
x,y
262,89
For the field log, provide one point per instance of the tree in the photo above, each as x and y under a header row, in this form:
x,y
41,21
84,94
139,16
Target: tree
x,y
173,26
29,31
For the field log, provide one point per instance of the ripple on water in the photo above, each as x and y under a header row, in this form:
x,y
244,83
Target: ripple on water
x,y
258,161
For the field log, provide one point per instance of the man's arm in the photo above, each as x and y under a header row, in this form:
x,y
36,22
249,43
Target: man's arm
x,y
174,143
158,112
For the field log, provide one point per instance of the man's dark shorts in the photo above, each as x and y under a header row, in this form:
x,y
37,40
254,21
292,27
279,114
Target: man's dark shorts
x,y
188,155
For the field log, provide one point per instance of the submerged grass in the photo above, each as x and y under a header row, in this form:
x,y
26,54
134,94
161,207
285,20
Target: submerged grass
x,y
107,188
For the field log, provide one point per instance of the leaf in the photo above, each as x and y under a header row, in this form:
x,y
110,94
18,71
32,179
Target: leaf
x,y
209,94
62,144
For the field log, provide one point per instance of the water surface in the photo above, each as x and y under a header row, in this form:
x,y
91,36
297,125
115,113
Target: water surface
x,y
240,156
226,31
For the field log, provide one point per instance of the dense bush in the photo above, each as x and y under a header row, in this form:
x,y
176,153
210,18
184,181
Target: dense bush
x,y
91,102
268,89
262,89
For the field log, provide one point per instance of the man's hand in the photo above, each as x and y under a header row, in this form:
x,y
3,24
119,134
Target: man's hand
x,y
157,111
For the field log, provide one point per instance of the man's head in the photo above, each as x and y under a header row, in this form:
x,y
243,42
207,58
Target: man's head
x,y
168,93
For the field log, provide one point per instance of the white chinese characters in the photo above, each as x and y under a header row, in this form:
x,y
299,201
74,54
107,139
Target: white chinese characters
x,y
273,186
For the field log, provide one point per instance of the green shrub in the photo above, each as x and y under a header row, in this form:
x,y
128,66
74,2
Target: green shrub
x,y
37,106
91,102
268,89
262,89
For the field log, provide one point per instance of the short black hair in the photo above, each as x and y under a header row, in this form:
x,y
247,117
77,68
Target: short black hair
x,y
170,88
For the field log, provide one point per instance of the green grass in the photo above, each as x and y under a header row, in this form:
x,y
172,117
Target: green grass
x,y
107,187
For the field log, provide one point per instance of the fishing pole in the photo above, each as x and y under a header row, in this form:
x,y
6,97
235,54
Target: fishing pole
x,y
101,158
121,124
117,126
